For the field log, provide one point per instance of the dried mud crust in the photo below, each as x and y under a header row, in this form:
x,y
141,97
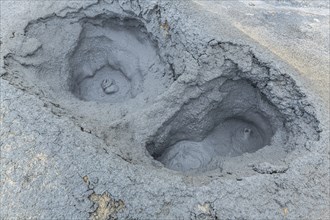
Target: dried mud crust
x,y
236,116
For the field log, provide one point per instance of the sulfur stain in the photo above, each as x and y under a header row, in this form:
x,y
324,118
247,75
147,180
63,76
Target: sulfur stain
x,y
107,207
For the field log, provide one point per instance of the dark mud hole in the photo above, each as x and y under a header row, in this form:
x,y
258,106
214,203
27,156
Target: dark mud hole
x,y
108,63
238,120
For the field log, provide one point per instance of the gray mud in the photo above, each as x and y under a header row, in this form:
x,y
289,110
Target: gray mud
x,y
239,120
111,61
137,109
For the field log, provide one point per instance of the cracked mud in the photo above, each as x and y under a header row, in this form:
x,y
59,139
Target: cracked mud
x,y
166,120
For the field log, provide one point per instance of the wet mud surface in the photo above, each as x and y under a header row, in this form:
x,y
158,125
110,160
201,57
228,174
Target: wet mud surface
x,y
111,61
239,122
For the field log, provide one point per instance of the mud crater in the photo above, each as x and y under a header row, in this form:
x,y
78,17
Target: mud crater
x,y
111,60
106,58
231,118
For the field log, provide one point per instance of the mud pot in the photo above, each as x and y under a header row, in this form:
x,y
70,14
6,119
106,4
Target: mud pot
x,y
225,109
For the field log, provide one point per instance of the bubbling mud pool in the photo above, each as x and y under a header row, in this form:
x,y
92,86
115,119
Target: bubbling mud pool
x,y
231,138
111,62
241,121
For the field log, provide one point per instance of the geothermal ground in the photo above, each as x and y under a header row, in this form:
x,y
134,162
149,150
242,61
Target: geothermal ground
x,y
158,109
